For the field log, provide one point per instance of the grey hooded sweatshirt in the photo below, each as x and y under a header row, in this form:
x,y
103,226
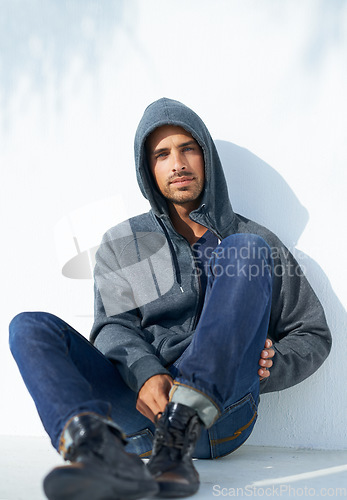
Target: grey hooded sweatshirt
x,y
147,293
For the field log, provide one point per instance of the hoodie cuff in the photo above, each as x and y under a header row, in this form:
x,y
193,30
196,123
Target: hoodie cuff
x,y
145,368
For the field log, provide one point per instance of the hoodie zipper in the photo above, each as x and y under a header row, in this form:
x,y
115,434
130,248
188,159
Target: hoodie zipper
x,y
178,272
173,254
210,223
199,304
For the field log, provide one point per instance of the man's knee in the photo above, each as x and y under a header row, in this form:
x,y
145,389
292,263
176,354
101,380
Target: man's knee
x,y
246,245
242,254
243,246
24,325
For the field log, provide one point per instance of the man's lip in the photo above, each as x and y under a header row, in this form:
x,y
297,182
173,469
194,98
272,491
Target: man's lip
x,y
181,180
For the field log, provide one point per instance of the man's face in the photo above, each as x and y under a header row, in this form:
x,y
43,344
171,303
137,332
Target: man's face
x,y
177,164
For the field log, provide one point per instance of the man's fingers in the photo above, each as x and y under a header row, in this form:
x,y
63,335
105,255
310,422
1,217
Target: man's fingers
x,y
145,410
265,363
267,353
161,402
154,395
148,411
151,408
263,373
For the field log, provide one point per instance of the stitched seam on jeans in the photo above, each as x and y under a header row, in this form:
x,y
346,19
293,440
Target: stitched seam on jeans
x,y
251,400
236,434
248,397
146,454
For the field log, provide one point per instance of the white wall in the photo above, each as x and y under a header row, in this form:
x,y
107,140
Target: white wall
x,y
267,78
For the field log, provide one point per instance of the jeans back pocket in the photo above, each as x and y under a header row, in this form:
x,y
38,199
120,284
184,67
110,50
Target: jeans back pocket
x,y
233,427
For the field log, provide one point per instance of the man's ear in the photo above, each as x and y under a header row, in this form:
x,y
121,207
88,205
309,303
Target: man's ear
x,y
149,174
146,151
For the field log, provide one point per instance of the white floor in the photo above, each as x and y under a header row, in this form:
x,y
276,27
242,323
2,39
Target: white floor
x,y
250,472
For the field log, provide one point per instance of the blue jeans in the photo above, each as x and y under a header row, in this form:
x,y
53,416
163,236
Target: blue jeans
x,y
66,375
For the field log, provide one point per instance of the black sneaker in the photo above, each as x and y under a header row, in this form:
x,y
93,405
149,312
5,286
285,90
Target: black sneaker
x,y
171,464
100,467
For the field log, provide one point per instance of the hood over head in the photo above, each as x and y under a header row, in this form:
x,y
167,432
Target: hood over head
x,y
215,211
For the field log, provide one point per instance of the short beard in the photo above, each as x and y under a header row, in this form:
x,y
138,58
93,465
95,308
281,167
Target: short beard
x,y
181,199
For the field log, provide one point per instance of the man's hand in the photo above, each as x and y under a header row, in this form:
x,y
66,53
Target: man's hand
x,y
154,395
265,361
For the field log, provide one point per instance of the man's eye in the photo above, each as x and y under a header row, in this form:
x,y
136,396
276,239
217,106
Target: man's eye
x,y
188,148
161,155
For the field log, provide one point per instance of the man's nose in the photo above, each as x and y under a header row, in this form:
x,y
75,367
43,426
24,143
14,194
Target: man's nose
x,y
179,162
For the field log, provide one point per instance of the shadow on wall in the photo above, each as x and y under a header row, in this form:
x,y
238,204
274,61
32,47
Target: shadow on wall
x,y
258,192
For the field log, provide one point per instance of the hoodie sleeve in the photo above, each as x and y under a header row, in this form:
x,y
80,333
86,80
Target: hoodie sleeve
x,y
298,327
117,331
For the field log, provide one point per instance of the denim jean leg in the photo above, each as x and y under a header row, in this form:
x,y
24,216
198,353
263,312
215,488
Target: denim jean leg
x,y
66,375
222,359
